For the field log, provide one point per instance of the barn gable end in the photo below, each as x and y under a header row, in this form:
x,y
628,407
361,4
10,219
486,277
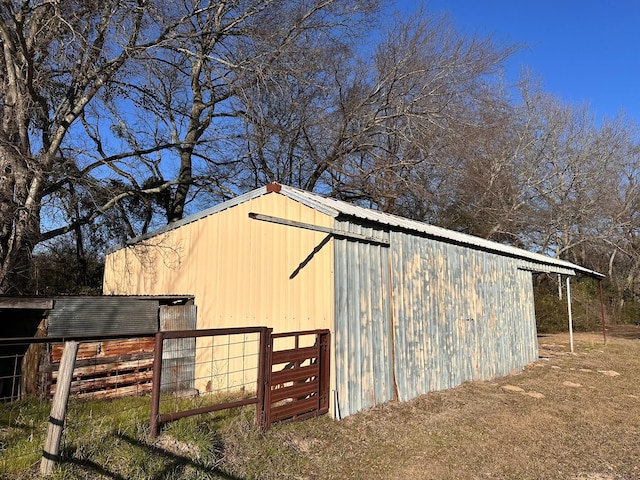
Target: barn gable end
x,y
241,272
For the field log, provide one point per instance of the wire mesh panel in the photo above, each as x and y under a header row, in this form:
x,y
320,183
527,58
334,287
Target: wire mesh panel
x,y
10,374
227,372
19,370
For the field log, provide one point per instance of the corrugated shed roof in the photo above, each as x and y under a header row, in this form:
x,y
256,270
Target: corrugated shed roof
x,y
336,208
103,316
343,208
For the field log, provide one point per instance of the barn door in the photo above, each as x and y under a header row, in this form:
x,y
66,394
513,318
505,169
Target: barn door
x,y
363,336
179,354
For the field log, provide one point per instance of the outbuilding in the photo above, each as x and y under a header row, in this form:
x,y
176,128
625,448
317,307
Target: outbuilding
x,y
412,308
116,357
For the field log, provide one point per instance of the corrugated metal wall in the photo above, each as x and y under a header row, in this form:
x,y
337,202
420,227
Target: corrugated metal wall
x,y
458,314
362,339
178,354
242,272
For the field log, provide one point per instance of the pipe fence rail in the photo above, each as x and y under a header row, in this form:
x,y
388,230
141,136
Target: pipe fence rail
x,y
54,410
197,372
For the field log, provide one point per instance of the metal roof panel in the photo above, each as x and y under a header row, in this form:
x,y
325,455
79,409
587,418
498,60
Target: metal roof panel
x,y
336,208
348,209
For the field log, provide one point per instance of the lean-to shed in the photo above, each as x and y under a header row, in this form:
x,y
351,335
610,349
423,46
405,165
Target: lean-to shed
x,y
412,307
116,353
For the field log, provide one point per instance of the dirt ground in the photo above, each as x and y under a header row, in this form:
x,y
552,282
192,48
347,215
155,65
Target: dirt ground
x,y
566,416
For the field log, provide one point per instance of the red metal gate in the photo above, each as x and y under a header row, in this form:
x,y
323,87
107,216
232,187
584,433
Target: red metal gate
x,y
292,375
297,376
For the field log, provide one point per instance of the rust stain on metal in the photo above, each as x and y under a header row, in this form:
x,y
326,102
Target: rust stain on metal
x,y
274,187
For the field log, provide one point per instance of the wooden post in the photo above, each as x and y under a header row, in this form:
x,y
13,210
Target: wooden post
x,y
59,408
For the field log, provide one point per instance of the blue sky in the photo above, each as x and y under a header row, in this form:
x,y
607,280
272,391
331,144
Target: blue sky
x,y
584,51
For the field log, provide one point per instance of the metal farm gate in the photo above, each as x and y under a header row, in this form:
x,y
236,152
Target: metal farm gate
x,y
290,372
297,376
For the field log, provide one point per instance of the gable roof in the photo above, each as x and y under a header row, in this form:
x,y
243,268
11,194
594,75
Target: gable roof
x,y
337,208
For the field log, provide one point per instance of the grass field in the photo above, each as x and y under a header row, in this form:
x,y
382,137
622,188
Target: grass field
x,y
566,416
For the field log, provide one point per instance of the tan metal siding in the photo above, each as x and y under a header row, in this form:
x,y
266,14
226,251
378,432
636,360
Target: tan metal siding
x,y
241,271
238,269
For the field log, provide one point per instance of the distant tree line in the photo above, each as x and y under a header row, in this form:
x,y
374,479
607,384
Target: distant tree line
x,y
119,116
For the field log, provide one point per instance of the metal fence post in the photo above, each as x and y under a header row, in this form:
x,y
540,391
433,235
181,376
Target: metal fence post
x,y
155,389
13,382
325,371
267,364
260,387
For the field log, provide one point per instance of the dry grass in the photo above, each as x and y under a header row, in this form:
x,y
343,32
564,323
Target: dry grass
x,y
566,417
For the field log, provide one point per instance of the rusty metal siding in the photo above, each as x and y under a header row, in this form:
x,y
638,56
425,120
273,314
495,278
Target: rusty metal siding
x,y
363,350
459,315
102,316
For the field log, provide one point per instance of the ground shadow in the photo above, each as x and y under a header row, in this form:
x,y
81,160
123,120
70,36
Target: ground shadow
x,y
175,462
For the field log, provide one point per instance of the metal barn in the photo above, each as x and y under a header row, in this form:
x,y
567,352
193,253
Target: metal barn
x,y
412,308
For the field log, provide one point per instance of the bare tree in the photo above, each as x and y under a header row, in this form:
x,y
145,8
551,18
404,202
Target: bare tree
x,y
55,58
73,76
191,91
373,126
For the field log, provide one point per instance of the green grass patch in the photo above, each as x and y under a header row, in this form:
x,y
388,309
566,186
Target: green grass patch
x,y
110,439
23,427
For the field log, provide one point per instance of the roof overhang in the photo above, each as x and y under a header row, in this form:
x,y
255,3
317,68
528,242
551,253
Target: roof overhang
x,y
26,303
